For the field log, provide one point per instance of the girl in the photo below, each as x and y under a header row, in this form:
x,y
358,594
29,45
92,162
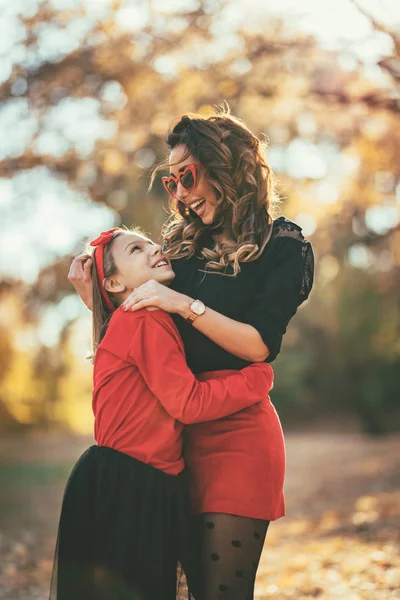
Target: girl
x,y
248,275
125,515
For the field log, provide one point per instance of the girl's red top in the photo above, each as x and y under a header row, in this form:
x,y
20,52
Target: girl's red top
x,y
144,391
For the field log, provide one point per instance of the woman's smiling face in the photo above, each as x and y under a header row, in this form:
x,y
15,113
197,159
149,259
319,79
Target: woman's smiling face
x,y
202,200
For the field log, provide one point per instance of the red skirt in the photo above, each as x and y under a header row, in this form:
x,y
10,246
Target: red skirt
x,y
236,465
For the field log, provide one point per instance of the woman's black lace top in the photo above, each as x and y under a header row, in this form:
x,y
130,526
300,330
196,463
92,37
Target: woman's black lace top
x,y
265,294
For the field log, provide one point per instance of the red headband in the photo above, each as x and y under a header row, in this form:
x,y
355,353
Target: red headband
x,y
104,238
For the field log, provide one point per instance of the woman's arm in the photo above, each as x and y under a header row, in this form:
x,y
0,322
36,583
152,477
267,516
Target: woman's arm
x,y
236,338
239,339
285,282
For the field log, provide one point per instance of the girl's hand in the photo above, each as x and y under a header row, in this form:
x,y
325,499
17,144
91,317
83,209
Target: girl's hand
x,y
156,295
80,277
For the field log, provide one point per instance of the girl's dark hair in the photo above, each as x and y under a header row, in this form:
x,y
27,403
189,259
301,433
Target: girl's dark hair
x,y
235,165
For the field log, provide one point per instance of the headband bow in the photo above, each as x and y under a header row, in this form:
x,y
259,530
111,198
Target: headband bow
x,y
104,237
100,242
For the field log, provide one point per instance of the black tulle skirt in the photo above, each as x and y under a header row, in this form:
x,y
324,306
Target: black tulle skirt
x,y
124,526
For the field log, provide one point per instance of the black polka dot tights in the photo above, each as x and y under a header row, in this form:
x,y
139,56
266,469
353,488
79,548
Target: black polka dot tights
x,y
230,550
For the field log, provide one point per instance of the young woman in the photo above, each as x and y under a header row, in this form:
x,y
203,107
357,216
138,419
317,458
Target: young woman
x,y
240,277
126,514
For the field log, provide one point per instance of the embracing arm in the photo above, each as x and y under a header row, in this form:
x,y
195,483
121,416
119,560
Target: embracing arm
x,y
157,350
239,339
285,284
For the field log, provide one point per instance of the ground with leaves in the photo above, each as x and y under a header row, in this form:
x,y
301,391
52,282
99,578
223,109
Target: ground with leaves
x,y
339,539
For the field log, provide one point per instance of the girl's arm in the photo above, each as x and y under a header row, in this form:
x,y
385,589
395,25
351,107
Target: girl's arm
x,y
157,350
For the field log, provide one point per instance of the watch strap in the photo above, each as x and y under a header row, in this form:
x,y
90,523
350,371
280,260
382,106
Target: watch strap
x,y
191,318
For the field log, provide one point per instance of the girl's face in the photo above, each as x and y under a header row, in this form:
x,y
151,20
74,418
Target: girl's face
x,y
138,260
202,200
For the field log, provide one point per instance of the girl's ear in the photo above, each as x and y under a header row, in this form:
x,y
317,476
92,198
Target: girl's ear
x,y
113,285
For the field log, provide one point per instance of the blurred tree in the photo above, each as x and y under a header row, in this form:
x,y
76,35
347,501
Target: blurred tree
x,y
334,139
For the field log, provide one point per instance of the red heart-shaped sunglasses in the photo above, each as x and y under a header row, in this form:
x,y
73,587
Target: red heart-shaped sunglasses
x,y
187,178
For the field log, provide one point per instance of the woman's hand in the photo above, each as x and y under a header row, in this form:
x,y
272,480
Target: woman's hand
x,y
80,277
156,295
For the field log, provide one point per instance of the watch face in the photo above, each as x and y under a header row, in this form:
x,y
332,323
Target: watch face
x,y
197,307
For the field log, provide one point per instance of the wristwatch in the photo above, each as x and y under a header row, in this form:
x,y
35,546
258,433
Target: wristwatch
x,y
197,309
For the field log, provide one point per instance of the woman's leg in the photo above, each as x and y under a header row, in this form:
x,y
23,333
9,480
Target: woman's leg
x,y
231,547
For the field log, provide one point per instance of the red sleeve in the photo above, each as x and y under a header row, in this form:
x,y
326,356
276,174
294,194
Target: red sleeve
x,y
157,350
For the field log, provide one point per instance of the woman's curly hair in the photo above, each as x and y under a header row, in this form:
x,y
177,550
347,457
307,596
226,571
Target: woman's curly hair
x,y
235,165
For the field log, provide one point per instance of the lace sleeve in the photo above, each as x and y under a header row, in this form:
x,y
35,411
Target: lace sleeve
x,y
285,228
285,281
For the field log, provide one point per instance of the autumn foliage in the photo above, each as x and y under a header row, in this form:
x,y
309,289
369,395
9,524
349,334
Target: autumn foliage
x,y
86,105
